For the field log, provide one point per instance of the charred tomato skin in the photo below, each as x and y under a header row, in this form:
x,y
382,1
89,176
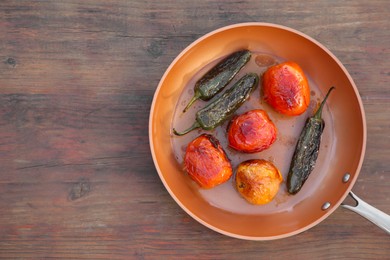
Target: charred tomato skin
x,y
286,88
251,132
206,162
258,181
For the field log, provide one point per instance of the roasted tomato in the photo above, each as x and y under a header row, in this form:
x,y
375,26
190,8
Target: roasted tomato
x,y
286,88
258,181
206,162
251,132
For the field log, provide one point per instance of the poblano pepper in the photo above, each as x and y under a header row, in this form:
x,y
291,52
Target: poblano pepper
x,y
219,76
306,151
222,108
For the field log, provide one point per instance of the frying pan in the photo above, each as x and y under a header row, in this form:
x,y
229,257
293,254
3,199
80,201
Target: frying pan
x,y
341,154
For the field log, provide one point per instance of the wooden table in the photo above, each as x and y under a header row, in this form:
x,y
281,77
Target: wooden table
x,y
77,80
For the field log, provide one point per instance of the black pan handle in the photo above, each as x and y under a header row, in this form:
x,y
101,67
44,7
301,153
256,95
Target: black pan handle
x,y
374,215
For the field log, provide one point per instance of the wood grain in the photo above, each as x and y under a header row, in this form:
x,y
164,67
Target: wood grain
x,y
77,78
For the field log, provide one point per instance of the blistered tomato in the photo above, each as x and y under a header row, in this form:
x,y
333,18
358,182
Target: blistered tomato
x,y
251,132
206,162
258,181
286,89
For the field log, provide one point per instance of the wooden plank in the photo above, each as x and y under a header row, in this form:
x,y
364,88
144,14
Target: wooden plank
x,y
77,79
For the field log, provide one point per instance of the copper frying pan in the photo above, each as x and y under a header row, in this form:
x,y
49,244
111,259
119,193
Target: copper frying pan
x,y
341,155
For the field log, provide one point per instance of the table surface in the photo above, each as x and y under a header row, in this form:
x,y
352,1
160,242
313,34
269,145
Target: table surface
x,y
77,80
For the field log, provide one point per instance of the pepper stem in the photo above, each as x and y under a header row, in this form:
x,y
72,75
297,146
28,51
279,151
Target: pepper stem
x,y
193,127
193,99
318,114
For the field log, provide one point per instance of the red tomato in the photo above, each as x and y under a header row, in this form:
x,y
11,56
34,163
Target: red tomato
x,y
206,162
286,88
251,132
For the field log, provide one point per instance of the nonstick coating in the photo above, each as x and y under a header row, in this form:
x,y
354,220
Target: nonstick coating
x,y
348,133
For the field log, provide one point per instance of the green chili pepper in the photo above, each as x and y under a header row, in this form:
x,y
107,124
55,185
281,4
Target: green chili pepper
x,y
222,108
219,76
306,151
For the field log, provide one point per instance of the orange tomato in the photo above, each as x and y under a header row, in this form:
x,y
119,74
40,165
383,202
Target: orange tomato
x,y
286,89
206,162
258,181
251,132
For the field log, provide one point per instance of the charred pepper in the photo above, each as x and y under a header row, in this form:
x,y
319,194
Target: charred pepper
x,y
222,108
219,76
306,151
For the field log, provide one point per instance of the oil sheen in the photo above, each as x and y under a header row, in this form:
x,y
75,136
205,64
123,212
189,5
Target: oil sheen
x,y
225,196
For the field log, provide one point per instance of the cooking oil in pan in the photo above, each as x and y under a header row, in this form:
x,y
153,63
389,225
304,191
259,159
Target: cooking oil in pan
x,y
225,196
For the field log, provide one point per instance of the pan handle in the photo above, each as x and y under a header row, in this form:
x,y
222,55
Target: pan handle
x,y
374,215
